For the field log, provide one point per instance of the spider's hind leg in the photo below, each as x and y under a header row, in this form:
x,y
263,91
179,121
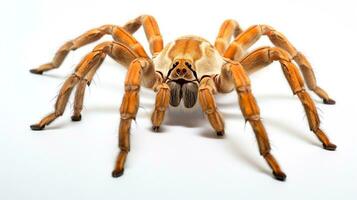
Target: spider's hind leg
x,y
119,34
79,96
84,73
228,29
246,39
93,59
82,40
265,56
61,103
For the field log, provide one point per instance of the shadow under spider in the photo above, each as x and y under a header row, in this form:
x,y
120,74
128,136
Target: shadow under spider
x,y
284,127
240,152
190,119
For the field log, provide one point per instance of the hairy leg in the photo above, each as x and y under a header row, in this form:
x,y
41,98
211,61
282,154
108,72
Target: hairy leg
x,y
120,53
205,96
85,68
234,76
228,29
161,103
89,61
118,33
129,107
80,90
242,42
265,56
151,29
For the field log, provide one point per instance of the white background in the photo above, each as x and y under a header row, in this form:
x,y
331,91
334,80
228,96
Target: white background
x,y
185,161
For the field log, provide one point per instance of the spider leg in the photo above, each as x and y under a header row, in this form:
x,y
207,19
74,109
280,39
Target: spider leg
x,y
205,96
148,22
119,52
151,29
123,57
85,68
139,68
228,29
80,90
242,42
161,103
265,56
234,76
141,71
63,96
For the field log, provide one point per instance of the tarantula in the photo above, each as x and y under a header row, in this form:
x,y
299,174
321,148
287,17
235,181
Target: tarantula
x,y
185,70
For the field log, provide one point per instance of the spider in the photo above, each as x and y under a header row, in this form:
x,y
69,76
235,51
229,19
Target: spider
x,y
188,71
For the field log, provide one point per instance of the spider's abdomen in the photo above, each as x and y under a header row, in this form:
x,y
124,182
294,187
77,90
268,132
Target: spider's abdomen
x,y
205,58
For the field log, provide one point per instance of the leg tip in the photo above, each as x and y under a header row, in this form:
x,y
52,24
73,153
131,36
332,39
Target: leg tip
x,y
281,176
156,128
117,173
36,127
220,133
330,147
36,71
76,118
329,101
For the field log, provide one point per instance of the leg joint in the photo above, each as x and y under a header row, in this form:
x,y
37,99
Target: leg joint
x,y
244,89
253,117
127,116
204,88
76,76
124,148
299,90
59,113
131,87
160,108
161,87
105,47
107,29
143,62
279,54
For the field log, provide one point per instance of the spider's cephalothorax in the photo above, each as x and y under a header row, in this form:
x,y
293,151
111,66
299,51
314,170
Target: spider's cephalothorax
x,y
183,63
187,71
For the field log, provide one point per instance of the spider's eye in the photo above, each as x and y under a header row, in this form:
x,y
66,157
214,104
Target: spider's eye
x,y
175,64
188,64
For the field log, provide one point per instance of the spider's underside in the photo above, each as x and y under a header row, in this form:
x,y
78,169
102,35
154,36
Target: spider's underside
x,y
187,70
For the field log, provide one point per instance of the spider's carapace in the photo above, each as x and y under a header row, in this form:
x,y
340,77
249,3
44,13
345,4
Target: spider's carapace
x,y
183,63
187,70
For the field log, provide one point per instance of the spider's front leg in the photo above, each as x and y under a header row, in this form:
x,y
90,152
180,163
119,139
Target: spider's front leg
x,y
161,102
234,76
141,70
205,96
